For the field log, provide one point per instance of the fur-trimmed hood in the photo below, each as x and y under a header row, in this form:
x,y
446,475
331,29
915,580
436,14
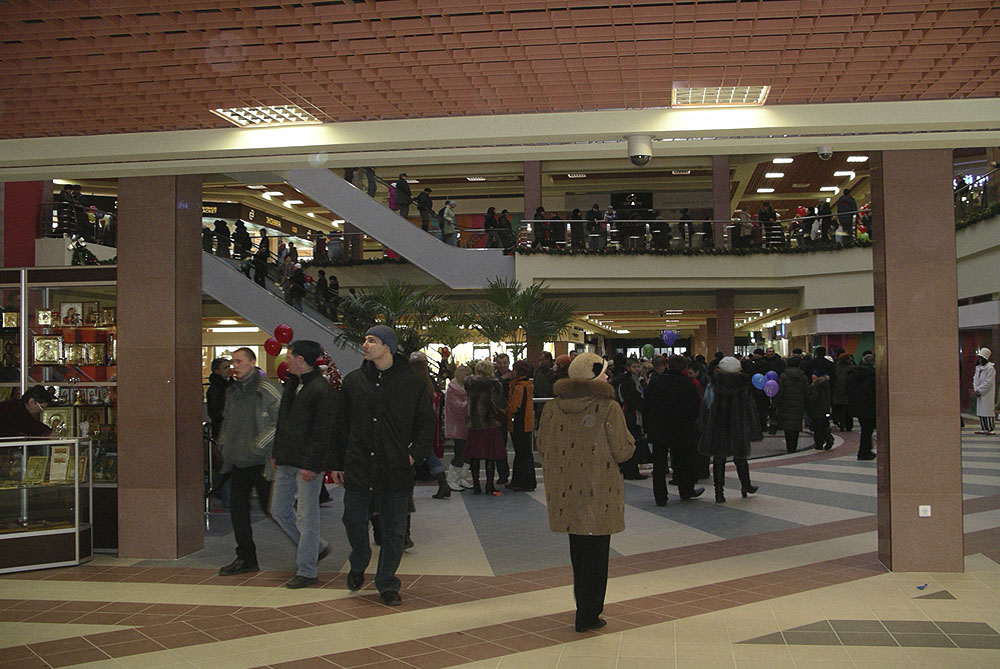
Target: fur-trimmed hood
x,y
568,388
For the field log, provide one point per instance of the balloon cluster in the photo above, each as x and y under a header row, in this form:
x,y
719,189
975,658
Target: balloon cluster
x,y
282,335
766,382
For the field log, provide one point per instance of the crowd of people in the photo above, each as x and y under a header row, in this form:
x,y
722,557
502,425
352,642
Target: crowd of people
x,y
76,218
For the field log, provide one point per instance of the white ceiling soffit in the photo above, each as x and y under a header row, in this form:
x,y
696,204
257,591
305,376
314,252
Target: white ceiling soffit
x,y
569,136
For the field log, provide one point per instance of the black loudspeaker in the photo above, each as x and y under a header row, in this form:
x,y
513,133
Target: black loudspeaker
x,y
631,200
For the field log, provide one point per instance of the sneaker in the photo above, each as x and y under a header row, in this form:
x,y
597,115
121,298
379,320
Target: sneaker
x,y
238,566
355,579
300,582
390,598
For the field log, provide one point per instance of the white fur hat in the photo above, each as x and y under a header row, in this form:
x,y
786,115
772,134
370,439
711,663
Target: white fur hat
x,y
730,365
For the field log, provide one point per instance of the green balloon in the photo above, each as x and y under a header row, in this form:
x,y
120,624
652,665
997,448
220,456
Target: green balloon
x,y
648,351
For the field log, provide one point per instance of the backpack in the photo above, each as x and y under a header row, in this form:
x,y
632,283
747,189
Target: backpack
x,y
441,212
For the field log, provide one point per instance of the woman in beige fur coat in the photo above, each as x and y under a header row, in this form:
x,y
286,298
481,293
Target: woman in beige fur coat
x,y
582,437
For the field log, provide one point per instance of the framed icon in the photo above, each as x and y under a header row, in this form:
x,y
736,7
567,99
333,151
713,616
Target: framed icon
x,y
9,351
44,317
34,472
70,314
91,313
48,349
108,316
59,420
75,354
10,319
94,353
92,415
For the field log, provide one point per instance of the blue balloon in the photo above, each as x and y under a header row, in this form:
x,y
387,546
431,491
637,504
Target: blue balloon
x,y
758,381
771,388
771,376
669,337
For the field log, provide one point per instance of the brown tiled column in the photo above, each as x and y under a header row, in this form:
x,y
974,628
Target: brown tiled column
x,y
532,187
916,320
725,321
711,334
721,189
159,367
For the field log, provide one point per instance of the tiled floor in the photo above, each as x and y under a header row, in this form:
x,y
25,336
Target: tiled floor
x,y
784,578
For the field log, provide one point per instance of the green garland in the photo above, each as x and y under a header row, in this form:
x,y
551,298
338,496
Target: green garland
x,y
978,216
827,246
355,263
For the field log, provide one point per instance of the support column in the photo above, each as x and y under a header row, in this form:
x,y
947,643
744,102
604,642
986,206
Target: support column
x,y
711,337
725,321
721,188
159,367
532,187
916,311
20,211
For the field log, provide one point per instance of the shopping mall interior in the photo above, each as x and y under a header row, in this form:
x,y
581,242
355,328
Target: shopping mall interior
x,y
719,142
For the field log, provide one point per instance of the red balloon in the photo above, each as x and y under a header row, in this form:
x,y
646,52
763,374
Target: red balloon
x,y
272,346
445,352
309,278
283,370
320,360
283,333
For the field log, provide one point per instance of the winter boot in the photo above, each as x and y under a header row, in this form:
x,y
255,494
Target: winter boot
x,y
452,478
719,474
444,491
475,477
465,477
743,470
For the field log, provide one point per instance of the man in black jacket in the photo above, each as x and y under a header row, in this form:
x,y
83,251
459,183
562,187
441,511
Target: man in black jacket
x,y
626,383
425,206
215,397
861,401
404,197
302,452
670,417
385,427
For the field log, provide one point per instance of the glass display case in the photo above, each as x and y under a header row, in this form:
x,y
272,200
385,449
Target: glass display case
x,y
59,330
46,515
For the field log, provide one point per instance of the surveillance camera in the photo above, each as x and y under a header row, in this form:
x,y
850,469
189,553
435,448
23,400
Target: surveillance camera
x,y
824,153
640,149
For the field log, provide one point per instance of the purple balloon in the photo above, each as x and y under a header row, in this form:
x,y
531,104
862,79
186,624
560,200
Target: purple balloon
x,y
669,337
771,375
771,388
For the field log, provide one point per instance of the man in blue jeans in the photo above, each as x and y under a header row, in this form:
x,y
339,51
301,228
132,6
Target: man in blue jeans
x,y
385,426
302,452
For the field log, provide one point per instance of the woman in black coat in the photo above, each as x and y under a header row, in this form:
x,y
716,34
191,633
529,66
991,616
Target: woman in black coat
x,y
793,386
861,402
728,425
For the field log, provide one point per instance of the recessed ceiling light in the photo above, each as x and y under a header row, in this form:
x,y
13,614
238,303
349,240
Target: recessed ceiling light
x,y
857,159
844,173
719,96
576,175
832,189
774,175
234,329
765,190
475,178
273,193
800,185
310,214
267,117
258,187
622,331
782,161
289,203
412,181
680,173
229,321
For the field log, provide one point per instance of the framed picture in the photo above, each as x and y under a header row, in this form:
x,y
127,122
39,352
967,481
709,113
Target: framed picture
x,y
94,353
9,351
108,317
70,314
44,317
75,354
35,471
61,463
93,416
59,420
10,319
106,467
91,313
81,472
47,349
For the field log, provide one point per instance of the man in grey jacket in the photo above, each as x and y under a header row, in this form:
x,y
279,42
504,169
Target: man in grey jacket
x,y
246,440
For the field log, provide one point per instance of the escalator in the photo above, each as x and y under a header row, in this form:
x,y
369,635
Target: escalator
x,y
457,268
222,279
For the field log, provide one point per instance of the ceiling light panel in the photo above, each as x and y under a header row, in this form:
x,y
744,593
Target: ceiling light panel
x,y
857,159
267,117
774,175
719,96
782,161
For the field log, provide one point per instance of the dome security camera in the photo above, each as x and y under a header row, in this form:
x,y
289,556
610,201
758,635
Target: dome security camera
x,y
640,149
824,153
